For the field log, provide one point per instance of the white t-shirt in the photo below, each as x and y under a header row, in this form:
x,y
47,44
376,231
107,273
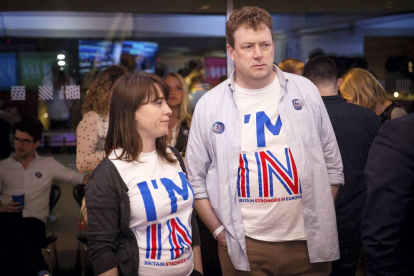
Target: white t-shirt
x,y
268,185
161,201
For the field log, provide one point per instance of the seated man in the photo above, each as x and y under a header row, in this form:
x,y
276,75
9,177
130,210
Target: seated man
x,y
22,231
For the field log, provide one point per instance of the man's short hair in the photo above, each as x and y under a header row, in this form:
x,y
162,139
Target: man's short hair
x,y
249,17
320,70
30,125
291,65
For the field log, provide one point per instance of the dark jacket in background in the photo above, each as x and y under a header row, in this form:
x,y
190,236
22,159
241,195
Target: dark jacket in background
x,y
388,219
355,129
111,242
182,138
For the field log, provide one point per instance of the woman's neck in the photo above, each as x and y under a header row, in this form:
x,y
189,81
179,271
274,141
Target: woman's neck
x,y
148,145
380,107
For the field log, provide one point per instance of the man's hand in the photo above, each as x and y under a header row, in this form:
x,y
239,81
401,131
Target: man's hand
x,y
221,238
12,207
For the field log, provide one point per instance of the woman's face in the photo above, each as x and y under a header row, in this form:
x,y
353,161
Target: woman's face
x,y
152,118
176,91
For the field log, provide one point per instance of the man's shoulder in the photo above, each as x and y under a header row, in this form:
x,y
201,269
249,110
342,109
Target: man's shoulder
x,y
402,125
4,164
216,92
360,110
300,81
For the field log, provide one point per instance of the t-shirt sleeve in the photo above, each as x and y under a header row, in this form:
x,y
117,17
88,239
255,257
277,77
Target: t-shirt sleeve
x,y
87,158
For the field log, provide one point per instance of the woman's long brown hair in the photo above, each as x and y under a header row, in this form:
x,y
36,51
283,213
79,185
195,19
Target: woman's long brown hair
x,y
129,93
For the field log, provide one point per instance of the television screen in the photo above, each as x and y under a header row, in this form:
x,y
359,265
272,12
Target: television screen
x,y
95,54
145,54
8,70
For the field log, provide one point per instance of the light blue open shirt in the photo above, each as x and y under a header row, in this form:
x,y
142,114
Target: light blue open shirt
x,y
212,161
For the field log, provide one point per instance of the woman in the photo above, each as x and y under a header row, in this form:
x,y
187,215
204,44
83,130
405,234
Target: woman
x,y
92,130
180,118
360,87
139,201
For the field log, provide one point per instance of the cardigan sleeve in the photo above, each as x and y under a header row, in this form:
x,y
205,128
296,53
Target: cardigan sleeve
x,y
102,202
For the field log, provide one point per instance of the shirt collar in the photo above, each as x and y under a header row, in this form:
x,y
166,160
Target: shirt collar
x,y
14,161
333,99
279,74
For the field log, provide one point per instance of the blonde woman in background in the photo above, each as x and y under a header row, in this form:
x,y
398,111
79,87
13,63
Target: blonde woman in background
x,y
91,131
180,118
360,87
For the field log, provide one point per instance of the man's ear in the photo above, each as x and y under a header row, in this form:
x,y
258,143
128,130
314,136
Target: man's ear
x,y
339,82
230,51
36,144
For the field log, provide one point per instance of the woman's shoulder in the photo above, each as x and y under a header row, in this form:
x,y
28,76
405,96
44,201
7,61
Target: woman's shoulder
x,y
91,114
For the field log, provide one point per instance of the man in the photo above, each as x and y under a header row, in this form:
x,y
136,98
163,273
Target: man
x,y
387,221
355,129
292,65
261,158
22,231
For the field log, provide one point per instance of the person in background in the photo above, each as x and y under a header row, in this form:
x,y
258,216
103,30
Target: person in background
x,y
387,221
178,130
92,130
180,118
139,201
264,162
360,87
22,230
355,129
59,107
292,65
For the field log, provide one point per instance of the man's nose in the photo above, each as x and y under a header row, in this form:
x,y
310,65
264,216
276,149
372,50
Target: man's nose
x,y
257,52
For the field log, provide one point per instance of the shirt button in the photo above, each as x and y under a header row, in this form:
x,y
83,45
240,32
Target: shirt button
x,y
235,147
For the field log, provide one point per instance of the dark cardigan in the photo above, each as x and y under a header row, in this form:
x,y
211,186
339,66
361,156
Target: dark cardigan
x,y
111,242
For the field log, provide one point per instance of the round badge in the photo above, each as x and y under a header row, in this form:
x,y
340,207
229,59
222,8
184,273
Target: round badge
x,y
38,174
297,104
218,127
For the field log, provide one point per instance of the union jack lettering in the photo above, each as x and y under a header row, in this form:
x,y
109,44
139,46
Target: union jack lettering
x,y
179,237
154,244
268,165
243,186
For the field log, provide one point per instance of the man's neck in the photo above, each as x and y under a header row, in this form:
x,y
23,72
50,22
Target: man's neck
x,y
25,161
328,90
255,84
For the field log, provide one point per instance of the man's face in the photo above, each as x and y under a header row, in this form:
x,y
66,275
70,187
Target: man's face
x,y
24,144
253,56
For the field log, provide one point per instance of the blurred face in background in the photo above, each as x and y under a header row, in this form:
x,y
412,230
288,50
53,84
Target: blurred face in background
x,y
24,144
176,91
